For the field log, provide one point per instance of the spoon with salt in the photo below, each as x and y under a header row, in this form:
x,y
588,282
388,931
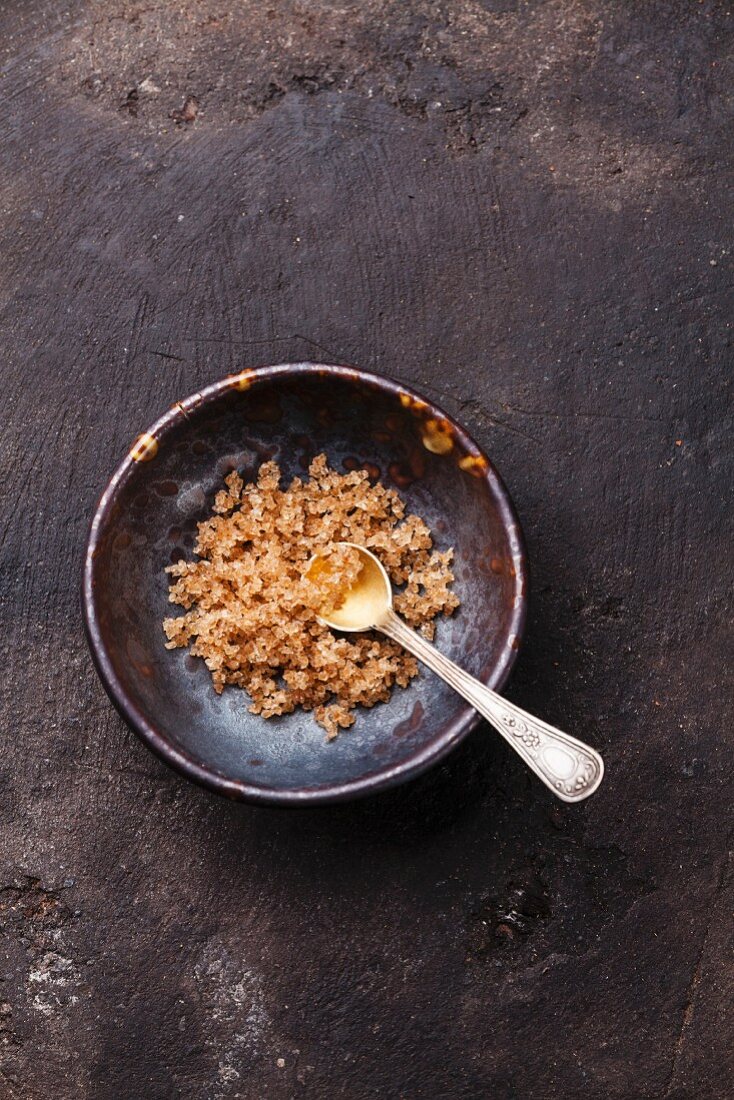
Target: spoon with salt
x,y
568,767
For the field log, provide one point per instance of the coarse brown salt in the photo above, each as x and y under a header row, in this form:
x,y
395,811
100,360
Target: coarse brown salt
x,y
249,601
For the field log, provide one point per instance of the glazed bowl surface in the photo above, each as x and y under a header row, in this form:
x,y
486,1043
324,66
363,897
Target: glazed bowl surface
x,y
147,518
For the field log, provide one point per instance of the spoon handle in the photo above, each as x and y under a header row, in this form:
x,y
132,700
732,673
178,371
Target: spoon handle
x,y
569,768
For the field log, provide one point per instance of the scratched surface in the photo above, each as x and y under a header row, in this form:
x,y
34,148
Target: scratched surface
x,y
523,209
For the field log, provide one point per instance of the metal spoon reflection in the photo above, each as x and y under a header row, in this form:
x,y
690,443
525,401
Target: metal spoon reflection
x,y
568,767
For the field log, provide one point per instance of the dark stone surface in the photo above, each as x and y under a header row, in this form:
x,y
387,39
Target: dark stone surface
x,y
525,210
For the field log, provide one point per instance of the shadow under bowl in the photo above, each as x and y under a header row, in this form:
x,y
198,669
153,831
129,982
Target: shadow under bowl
x,y
147,518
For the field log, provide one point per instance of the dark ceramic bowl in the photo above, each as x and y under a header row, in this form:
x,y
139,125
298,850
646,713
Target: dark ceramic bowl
x,y
147,518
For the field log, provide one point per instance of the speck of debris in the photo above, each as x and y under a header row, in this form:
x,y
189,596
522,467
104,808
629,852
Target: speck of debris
x,y
280,1063
188,112
130,104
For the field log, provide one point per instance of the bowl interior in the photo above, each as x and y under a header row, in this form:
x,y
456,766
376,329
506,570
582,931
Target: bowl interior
x,y
148,519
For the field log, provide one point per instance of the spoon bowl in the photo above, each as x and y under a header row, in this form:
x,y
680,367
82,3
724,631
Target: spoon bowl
x,y
366,604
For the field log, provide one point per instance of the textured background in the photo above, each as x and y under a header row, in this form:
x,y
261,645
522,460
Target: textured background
x,y
524,209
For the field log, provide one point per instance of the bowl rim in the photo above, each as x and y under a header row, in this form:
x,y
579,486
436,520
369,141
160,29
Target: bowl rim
x,y
182,761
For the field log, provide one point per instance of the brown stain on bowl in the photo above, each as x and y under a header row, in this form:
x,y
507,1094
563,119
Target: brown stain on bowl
x,y
417,462
404,473
437,436
401,474
166,488
371,468
415,404
144,448
412,723
243,380
476,465
187,406
263,409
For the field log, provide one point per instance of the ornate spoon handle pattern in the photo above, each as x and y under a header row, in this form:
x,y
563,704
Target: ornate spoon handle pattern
x,y
571,769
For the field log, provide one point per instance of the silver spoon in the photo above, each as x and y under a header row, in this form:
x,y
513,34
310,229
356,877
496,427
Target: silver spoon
x,y
571,769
